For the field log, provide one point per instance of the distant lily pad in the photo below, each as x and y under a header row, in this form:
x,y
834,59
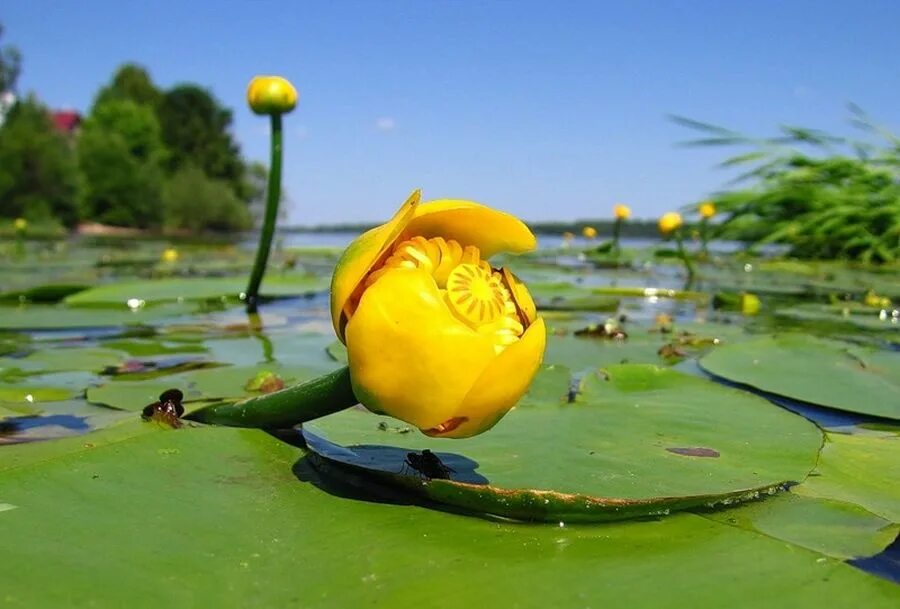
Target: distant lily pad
x,y
201,288
227,383
55,317
818,371
853,315
605,457
58,359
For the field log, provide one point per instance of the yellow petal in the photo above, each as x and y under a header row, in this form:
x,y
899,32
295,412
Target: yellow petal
x,y
501,384
409,356
470,223
361,255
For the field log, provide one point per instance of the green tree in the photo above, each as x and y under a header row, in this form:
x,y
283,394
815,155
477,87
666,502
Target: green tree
x,y
38,171
193,201
10,66
195,128
131,82
120,152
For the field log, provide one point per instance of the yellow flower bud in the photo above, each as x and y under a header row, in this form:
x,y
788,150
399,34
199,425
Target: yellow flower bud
x,y
435,336
20,224
621,212
669,222
170,255
271,95
707,209
567,236
589,232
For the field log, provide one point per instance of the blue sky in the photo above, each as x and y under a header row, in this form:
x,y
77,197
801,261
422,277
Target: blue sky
x,y
549,110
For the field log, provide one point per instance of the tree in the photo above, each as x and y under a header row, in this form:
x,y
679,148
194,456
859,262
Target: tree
x,y
196,130
120,152
10,66
131,82
195,202
38,171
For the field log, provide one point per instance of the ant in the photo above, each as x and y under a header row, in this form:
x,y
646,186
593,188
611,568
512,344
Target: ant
x,y
429,465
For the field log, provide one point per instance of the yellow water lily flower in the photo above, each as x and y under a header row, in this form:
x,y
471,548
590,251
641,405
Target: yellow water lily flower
x,y
271,95
435,336
669,222
589,232
20,224
707,209
621,212
170,254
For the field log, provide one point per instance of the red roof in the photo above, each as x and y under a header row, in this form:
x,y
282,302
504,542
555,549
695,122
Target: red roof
x,y
66,120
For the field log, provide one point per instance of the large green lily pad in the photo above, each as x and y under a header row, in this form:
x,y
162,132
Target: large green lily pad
x,y
863,469
818,371
835,528
223,517
639,440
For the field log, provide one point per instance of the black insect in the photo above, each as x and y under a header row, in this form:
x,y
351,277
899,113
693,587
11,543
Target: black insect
x,y
167,410
429,465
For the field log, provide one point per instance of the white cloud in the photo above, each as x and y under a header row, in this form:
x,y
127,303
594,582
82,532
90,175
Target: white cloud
x,y
385,124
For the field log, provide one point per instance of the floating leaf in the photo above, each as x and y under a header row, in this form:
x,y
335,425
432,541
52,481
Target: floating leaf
x,y
605,457
837,529
201,288
817,371
860,469
148,503
226,383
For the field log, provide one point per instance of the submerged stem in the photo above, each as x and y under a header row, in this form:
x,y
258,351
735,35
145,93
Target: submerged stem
x,y
273,196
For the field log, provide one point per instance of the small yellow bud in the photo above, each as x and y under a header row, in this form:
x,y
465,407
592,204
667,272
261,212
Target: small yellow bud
x,y
20,224
621,212
170,255
589,232
567,236
669,222
707,209
271,95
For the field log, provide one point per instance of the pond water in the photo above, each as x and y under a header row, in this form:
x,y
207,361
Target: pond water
x,y
763,373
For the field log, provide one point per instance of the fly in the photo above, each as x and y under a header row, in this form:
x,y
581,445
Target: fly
x,y
429,465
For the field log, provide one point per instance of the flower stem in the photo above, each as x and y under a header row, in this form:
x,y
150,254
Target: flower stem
x,y
704,237
315,398
617,230
273,196
688,265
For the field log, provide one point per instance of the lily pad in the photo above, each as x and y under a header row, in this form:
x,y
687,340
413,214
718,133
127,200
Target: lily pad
x,y
638,441
859,469
818,371
834,528
859,316
203,288
52,317
30,394
207,506
59,359
216,384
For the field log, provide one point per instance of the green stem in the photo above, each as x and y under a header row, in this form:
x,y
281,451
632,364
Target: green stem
x,y
617,230
316,398
688,265
273,196
704,237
